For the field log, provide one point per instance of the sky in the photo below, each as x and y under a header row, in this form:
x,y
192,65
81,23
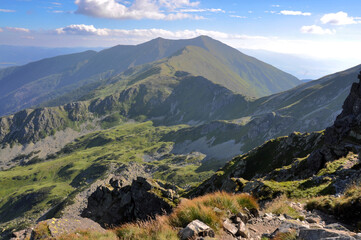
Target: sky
x,y
319,30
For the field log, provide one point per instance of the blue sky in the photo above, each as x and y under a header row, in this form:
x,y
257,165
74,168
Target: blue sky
x,y
318,30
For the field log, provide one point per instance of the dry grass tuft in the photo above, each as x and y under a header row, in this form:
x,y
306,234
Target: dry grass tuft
x,y
201,208
89,235
157,229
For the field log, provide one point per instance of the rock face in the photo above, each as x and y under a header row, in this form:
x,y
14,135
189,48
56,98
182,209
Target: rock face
x,y
344,135
143,199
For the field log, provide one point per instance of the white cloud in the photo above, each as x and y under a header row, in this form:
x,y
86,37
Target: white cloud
x,y
1,30
339,18
15,29
295,13
81,29
144,34
237,16
7,10
314,29
56,3
174,4
214,10
276,5
139,9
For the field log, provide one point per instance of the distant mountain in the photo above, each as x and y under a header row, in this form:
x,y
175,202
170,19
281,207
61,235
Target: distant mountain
x,y
306,80
312,106
45,80
19,55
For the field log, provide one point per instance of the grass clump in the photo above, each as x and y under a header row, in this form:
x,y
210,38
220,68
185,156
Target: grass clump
x,y
89,235
157,229
201,208
41,231
280,206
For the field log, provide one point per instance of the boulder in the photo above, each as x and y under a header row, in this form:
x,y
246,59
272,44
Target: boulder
x,y
242,230
196,229
229,227
56,227
323,234
141,200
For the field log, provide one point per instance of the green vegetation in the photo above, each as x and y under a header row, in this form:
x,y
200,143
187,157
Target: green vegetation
x,y
28,190
347,207
280,206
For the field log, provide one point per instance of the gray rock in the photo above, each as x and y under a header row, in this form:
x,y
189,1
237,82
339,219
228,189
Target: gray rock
x,y
243,217
196,229
323,234
242,230
229,227
336,226
313,220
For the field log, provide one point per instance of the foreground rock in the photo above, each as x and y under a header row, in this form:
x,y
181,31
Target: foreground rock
x,y
196,229
54,228
143,199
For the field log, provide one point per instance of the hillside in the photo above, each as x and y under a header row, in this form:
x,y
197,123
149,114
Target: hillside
x,y
48,79
161,93
309,167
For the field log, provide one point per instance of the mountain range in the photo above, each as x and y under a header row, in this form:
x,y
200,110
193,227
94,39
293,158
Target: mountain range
x,y
173,110
38,82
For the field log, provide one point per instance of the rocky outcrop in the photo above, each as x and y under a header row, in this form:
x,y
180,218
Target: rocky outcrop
x,y
56,227
344,135
143,199
259,162
32,125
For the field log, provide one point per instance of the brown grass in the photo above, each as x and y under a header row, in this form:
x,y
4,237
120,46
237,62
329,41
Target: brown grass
x,y
201,208
89,235
158,229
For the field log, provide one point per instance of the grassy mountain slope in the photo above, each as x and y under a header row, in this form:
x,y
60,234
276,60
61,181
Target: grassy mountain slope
x,y
27,191
312,106
42,81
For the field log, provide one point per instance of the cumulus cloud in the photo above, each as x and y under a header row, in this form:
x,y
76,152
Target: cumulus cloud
x,y
339,18
82,29
15,29
139,9
174,4
7,10
314,29
295,13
